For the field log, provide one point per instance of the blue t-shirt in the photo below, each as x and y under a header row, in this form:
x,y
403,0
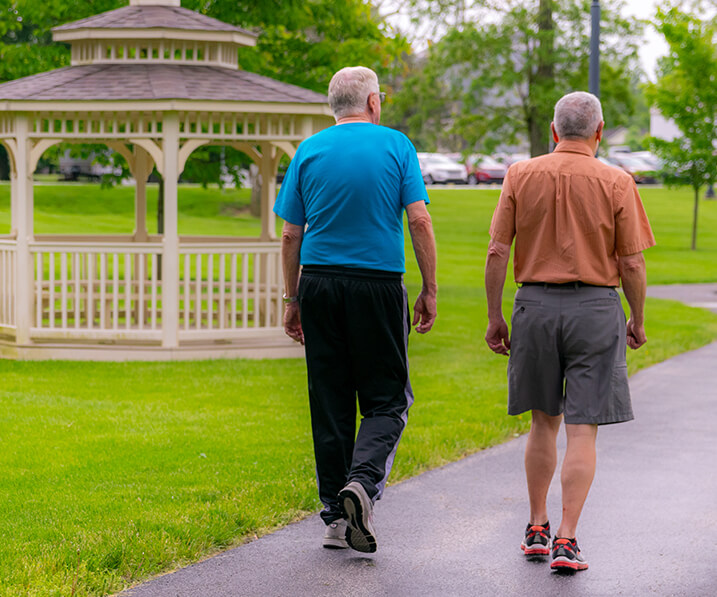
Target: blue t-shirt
x,y
349,185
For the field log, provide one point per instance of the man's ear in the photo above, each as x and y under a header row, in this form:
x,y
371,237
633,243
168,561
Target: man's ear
x,y
600,130
555,135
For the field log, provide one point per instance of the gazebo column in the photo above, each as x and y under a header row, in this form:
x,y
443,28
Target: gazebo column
x,y
14,206
142,169
22,204
268,168
170,244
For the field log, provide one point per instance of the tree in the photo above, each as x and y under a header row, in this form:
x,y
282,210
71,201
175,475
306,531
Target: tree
x,y
500,74
686,92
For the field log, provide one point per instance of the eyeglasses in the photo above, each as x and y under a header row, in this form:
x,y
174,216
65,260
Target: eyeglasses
x,y
381,95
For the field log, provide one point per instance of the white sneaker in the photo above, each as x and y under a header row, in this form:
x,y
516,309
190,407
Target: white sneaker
x,y
335,535
358,509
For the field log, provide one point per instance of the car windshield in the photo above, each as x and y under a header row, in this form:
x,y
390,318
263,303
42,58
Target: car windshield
x,y
440,161
634,163
489,162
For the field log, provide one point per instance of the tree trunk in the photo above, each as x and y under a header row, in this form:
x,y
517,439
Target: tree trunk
x,y
255,180
543,82
539,141
694,218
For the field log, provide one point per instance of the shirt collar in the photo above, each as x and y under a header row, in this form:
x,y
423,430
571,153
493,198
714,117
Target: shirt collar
x,y
574,147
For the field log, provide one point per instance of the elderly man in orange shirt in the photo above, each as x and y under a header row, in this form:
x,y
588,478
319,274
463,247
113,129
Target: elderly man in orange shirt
x,y
579,228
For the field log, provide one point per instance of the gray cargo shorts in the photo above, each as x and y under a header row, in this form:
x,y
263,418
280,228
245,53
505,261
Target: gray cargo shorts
x,y
567,354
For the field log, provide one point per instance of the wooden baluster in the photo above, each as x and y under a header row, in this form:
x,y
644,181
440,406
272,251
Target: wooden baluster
x,y
63,289
115,291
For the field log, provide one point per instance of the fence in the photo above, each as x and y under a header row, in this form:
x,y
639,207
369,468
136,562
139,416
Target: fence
x,y
112,290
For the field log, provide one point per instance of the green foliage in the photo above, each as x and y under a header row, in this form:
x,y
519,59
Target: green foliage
x,y
497,77
686,92
26,45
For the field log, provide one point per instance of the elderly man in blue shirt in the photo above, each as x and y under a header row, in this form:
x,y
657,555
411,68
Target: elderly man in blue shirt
x,y
343,199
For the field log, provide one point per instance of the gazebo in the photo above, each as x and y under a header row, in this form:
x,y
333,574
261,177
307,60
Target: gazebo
x,y
152,81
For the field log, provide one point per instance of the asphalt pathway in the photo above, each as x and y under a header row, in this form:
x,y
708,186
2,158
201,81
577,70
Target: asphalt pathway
x,y
649,526
695,295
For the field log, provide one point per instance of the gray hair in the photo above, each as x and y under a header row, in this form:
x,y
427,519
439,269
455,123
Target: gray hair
x,y
349,89
577,115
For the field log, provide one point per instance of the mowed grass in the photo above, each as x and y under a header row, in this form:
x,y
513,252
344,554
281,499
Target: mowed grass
x,y
113,472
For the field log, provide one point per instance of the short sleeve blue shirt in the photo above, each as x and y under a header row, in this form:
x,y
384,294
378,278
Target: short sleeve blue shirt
x,y
349,185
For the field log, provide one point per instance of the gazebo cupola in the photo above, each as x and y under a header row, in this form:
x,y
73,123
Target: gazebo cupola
x,y
154,82
158,31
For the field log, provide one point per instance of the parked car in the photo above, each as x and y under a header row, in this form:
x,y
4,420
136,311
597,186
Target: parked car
x,y
72,168
508,159
649,158
437,168
481,168
641,171
609,162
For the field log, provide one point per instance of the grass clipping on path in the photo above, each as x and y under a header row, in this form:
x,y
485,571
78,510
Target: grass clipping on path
x,y
114,472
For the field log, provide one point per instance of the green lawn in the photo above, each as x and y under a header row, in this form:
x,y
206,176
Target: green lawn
x,y
114,472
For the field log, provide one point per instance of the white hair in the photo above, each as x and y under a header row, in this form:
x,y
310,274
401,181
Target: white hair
x,y
577,115
349,89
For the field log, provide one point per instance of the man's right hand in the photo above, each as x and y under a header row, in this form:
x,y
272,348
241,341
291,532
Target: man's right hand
x,y
635,334
292,322
498,337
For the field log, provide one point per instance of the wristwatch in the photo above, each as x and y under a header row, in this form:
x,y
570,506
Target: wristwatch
x,y
290,299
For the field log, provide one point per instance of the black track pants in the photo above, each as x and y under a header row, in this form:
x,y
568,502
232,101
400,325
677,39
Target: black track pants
x,y
356,327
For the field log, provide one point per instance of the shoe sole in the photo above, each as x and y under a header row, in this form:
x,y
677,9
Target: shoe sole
x,y
563,564
535,551
359,534
335,544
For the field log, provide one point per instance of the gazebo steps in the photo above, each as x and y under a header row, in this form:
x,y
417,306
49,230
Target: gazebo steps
x,y
268,346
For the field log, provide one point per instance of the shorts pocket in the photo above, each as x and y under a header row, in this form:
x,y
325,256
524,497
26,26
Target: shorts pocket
x,y
520,301
596,302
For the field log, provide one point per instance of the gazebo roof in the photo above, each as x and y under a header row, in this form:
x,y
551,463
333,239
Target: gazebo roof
x,y
154,82
150,17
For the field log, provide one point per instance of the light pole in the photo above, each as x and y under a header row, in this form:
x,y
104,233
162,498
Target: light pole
x,y
594,77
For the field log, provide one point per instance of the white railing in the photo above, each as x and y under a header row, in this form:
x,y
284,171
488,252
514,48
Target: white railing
x,y
7,283
229,288
108,290
113,291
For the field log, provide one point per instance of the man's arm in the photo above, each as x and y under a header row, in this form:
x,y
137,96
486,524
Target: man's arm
x,y
424,245
634,284
291,237
496,265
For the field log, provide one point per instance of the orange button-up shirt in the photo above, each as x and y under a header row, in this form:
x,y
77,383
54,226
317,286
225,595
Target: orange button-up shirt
x,y
571,216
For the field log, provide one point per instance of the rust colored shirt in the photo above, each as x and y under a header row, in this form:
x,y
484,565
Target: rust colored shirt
x,y
571,216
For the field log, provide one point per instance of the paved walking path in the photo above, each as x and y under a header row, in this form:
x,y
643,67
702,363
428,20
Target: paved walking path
x,y
649,526
696,295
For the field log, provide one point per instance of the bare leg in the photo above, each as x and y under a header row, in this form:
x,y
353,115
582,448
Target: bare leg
x,y
540,461
577,475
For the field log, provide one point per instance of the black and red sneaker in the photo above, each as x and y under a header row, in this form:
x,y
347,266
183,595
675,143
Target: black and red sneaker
x,y
567,556
537,540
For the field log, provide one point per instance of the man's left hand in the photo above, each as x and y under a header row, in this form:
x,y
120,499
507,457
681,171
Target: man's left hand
x,y
424,312
498,337
292,322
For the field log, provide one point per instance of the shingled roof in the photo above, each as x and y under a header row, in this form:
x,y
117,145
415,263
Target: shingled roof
x,y
151,17
154,82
